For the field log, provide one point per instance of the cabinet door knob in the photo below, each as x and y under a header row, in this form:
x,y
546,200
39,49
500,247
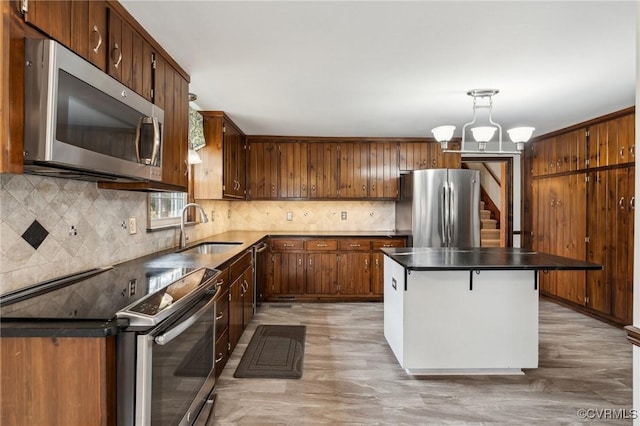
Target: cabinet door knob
x,y
219,357
621,203
622,152
632,203
632,150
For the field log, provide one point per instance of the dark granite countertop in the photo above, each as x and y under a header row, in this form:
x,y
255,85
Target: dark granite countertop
x,y
88,305
476,259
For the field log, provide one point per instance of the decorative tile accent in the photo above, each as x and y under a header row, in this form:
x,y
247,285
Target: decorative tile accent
x,y
35,234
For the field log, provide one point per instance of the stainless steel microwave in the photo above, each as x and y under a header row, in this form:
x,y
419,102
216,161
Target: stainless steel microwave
x,y
82,123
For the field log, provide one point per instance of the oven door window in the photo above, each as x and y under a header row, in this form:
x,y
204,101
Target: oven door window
x,y
182,366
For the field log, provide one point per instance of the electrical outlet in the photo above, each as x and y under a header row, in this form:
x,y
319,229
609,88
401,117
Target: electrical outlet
x,y
132,287
73,230
343,215
289,216
133,225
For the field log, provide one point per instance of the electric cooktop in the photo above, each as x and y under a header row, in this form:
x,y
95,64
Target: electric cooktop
x,y
95,295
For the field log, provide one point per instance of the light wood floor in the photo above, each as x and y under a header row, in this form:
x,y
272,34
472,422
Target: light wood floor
x,y
352,377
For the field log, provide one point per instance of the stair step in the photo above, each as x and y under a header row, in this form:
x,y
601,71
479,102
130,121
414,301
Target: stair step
x,y
490,234
488,223
485,214
481,205
490,243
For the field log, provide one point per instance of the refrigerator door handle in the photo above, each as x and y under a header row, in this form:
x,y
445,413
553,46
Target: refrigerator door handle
x,y
445,214
452,216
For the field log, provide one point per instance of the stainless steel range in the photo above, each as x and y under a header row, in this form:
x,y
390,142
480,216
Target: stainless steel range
x,y
165,319
166,366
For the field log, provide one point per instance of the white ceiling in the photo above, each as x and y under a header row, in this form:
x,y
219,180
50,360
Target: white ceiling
x,y
386,68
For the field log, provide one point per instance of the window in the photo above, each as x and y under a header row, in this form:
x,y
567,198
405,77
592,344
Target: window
x,y
164,208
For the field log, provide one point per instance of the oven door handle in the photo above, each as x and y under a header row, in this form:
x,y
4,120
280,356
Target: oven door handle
x,y
165,338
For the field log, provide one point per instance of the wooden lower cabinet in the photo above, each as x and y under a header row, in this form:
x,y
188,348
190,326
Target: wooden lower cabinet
x,y
222,351
235,307
240,294
377,261
339,268
322,273
80,390
288,273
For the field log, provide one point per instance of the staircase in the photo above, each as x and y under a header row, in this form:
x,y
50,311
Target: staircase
x,y
489,233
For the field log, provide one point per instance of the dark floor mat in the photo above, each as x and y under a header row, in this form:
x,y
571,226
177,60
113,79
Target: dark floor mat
x,y
274,352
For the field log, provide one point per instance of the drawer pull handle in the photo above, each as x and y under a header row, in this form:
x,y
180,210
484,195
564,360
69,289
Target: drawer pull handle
x,y
621,203
287,245
354,245
219,357
632,203
220,316
117,64
622,152
632,150
99,43
321,245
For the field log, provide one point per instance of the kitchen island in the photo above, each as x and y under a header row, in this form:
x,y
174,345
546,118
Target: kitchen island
x,y
465,311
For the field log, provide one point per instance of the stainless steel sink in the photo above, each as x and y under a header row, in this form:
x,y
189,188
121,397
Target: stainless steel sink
x,y
211,248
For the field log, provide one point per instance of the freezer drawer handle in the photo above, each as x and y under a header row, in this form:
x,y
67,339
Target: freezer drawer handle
x,y
394,284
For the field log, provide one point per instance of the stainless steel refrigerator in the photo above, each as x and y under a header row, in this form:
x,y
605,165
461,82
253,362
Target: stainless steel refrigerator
x,y
440,207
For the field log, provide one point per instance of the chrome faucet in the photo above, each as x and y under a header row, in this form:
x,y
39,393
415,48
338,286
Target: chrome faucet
x,y
203,215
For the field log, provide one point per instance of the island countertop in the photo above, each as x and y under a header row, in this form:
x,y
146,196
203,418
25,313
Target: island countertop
x,y
489,258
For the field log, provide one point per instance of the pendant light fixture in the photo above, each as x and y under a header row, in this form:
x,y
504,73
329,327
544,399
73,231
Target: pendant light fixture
x,y
483,135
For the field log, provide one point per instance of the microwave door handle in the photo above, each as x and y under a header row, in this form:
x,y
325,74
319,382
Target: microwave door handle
x,y
137,141
167,337
156,140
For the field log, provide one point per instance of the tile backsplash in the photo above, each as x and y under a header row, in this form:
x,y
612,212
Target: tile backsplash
x,y
51,227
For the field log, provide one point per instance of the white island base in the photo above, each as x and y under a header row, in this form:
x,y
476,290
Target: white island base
x,y
461,322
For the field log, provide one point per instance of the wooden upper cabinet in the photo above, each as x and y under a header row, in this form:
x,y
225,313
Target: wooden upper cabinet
x,y
125,48
207,176
80,25
263,170
175,103
323,170
234,161
89,31
51,17
293,170
354,170
422,155
131,58
222,171
621,140
384,172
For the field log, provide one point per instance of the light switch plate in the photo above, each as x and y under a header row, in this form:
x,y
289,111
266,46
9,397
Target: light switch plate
x,y
289,216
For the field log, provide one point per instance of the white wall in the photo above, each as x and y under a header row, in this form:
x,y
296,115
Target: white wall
x,y
636,256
